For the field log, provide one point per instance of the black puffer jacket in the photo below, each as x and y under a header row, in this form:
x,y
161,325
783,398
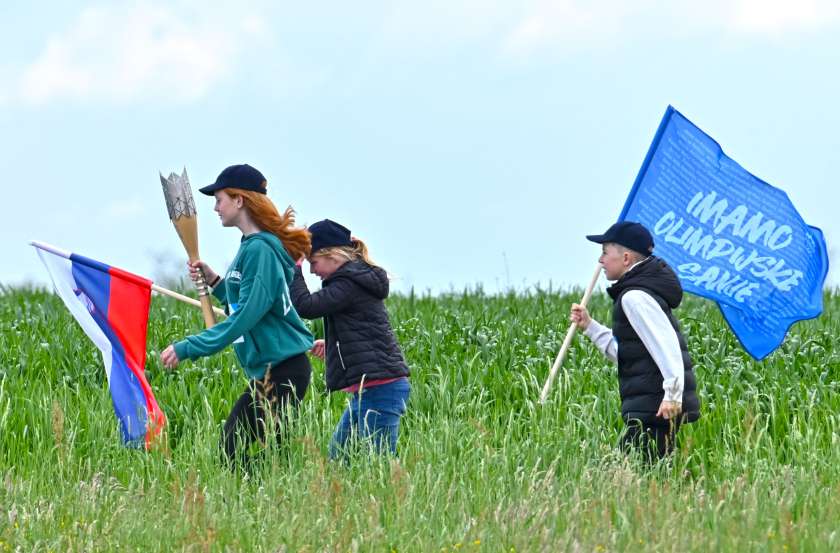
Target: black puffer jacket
x,y
359,339
640,380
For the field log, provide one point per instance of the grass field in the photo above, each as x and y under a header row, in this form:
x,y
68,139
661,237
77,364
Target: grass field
x,y
482,466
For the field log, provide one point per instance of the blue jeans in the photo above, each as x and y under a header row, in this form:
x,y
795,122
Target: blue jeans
x,y
373,415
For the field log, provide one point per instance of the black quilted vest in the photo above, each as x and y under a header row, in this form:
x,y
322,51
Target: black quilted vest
x,y
639,379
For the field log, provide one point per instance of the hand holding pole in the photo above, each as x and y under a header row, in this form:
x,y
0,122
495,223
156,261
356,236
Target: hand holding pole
x,y
568,341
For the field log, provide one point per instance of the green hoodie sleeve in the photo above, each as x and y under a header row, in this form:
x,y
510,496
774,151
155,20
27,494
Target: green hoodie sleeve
x,y
220,291
255,300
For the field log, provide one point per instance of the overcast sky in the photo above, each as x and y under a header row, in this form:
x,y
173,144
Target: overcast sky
x,y
471,142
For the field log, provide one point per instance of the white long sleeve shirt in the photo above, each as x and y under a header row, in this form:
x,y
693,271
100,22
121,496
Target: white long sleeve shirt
x,y
657,334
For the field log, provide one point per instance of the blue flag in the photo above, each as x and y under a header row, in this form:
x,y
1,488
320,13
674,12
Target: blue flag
x,y
730,236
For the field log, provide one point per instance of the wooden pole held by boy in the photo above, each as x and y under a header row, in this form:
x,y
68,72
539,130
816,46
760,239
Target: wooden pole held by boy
x,y
568,341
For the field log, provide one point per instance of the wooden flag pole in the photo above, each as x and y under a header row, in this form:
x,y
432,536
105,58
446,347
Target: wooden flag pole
x,y
183,298
568,341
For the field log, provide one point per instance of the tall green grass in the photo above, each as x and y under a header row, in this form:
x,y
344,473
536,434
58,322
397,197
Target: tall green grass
x,y
482,466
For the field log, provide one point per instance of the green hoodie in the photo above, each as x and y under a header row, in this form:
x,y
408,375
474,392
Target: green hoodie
x,y
263,326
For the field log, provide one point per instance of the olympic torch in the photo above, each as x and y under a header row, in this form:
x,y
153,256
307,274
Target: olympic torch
x,y
181,207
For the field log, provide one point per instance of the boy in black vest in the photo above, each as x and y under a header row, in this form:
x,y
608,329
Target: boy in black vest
x,y
656,382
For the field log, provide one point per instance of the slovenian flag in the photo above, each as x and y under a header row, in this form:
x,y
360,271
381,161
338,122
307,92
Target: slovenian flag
x,y
112,307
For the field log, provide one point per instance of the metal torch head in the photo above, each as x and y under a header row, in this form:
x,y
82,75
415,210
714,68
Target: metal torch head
x,y
178,196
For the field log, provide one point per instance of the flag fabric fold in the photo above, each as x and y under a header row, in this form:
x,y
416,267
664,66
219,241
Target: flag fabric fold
x,y
112,307
730,236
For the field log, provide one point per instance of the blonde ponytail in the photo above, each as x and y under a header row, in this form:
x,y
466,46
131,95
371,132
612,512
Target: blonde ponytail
x,y
357,251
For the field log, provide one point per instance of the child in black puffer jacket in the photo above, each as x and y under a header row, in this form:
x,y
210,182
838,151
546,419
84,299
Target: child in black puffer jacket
x,y
361,352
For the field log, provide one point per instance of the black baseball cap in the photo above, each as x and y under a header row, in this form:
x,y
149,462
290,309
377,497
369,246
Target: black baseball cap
x,y
628,234
329,234
242,176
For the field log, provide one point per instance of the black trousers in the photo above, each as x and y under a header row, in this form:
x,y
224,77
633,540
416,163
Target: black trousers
x,y
653,441
264,405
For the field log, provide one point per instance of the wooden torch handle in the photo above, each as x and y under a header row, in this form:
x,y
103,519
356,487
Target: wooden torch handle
x,y
204,298
207,311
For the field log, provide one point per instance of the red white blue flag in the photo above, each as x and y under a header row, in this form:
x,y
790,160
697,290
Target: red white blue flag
x,y
112,307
